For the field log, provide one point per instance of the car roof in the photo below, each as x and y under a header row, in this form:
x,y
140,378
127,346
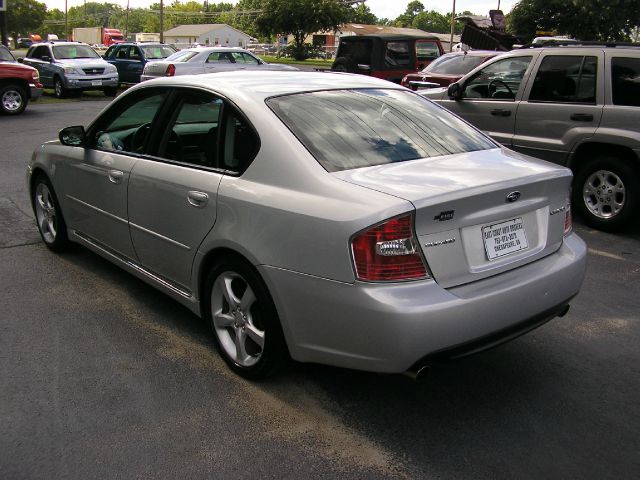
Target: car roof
x,y
214,49
392,36
254,85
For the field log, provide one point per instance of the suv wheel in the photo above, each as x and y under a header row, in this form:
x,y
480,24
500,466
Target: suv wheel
x,y
58,86
13,100
605,192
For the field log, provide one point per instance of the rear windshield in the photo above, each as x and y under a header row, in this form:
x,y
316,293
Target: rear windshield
x,y
454,65
346,129
182,56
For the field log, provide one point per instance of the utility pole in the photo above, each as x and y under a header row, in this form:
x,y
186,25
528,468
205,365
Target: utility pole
x,y
3,24
453,24
161,21
66,28
126,23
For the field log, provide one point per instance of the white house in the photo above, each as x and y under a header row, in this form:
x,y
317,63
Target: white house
x,y
211,34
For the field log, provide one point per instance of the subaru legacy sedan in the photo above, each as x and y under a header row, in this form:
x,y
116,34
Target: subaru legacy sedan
x,y
330,218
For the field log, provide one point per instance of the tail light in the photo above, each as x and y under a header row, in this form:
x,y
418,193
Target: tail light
x,y
568,220
171,70
388,252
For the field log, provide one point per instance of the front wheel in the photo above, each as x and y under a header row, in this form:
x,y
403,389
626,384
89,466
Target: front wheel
x,y
605,193
58,88
13,99
244,320
51,225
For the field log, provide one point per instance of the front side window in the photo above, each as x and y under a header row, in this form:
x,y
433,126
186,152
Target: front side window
x,y
126,126
39,52
565,79
64,52
426,50
346,129
499,80
109,51
625,81
397,54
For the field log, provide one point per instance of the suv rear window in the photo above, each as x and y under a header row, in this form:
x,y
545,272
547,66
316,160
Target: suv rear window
x,y
625,81
346,129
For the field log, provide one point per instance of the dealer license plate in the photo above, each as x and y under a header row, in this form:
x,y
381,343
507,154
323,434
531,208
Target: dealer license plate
x,y
96,83
504,238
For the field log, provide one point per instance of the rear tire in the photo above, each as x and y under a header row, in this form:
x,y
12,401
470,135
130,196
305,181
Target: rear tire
x,y
13,99
243,317
49,219
605,192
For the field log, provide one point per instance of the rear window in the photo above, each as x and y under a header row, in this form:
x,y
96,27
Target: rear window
x,y
454,65
625,81
346,129
182,56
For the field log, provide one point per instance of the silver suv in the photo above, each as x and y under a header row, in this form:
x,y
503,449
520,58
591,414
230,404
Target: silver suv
x,y
578,106
72,66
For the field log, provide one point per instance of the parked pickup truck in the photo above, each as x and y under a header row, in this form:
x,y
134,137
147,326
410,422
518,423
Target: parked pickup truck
x,y
18,84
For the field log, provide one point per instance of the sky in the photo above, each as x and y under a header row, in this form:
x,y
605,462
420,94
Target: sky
x,y
380,8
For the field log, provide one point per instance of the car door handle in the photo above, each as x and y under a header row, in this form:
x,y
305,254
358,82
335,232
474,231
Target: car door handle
x,y
197,199
499,112
582,117
116,176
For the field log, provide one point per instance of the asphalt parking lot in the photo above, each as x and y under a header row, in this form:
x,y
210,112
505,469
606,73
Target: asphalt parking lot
x,y
102,376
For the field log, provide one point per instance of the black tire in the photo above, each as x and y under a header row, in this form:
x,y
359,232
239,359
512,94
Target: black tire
x,y
13,99
244,311
606,192
344,64
59,89
110,91
49,219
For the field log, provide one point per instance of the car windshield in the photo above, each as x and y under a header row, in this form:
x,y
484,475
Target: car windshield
x,y
153,52
346,129
454,64
5,54
66,52
182,56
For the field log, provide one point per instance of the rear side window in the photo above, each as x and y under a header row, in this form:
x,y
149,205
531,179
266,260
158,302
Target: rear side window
x,y
454,65
426,50
346,129
625,81
358,50
565,79
397,54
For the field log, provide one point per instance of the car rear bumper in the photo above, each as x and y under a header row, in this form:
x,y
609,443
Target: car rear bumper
x,y
394,327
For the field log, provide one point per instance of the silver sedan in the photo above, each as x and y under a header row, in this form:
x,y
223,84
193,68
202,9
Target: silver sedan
x,y
328,218
192,61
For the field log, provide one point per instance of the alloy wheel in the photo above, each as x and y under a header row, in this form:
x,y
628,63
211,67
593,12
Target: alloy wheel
x,y
46,214
604,194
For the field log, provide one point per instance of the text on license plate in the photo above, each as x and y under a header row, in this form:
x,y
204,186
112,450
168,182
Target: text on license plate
x,y
96,83
504,238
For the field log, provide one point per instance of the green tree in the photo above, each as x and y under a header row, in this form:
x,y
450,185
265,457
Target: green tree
x,y
406,19
432,22
362,14
301,18
581,19
24,17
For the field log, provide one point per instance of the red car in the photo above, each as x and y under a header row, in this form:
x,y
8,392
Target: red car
x,y
447,69
18,84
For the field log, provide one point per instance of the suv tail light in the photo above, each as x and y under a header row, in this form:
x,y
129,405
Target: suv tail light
x,y
388,252
171,70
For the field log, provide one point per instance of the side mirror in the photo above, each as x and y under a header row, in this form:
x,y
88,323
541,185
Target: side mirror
x,y
72,136
454,91
20,59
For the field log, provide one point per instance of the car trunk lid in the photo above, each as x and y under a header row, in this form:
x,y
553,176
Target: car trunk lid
x,y
479,213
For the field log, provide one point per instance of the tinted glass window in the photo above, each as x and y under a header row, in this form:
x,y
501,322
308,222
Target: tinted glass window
x,y
74,51
358,50
182,56
427,50
5,54
241,57
454,64
499,80
565,79
39,52
110,50
396,54
194,132
153,52
348,129
126,127
625,81
220,57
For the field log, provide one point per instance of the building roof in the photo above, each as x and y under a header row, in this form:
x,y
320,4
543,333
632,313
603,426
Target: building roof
x,y
198,29
361,29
